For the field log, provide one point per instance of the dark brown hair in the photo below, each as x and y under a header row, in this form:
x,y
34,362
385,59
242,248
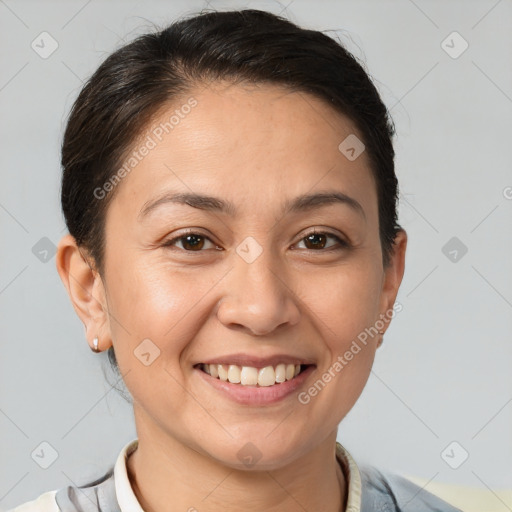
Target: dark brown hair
x,y
251,46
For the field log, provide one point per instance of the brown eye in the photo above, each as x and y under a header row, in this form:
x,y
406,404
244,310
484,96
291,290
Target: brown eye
x,y
190,242
318,241
193,242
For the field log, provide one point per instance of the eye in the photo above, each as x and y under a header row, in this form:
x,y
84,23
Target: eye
x,y
196,242
316,241
190,242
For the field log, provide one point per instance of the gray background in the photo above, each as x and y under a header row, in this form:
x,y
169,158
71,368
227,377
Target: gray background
x,y
443,373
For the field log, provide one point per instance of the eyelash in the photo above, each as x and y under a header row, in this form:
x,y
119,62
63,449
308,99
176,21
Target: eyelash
x,y
342,243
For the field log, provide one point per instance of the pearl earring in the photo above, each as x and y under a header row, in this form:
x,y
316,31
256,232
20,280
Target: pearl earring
x,y
95,342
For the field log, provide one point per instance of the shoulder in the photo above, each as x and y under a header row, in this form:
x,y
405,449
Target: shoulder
x,y
45,503
98,496
389,492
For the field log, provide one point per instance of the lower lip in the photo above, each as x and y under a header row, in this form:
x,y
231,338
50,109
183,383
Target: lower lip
x,y
257,395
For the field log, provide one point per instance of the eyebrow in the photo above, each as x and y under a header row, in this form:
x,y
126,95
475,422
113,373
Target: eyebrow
x,y
305,202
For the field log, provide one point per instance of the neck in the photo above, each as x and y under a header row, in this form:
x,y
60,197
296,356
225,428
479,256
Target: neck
x,y
161,469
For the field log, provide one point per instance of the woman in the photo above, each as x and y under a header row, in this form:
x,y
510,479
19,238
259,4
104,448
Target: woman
x,y
229,190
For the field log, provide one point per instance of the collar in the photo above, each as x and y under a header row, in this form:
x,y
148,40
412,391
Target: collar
x,y
352,476
124,493
128,501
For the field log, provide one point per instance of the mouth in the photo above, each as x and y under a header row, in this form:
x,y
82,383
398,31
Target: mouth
x,y
253,376
256,386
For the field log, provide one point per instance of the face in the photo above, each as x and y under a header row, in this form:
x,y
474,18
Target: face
x,y
283,266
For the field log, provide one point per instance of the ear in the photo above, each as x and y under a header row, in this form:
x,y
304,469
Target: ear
x,y
393,275
85,289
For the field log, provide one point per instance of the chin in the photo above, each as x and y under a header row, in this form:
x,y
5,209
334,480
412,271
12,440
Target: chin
x,y
256,453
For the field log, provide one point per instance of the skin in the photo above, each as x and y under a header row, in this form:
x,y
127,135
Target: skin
x,y
256,147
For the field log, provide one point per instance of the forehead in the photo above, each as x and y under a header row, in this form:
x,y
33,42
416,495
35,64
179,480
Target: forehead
x,y
248,144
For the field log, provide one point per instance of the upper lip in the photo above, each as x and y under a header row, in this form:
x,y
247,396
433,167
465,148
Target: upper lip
x,y
257,361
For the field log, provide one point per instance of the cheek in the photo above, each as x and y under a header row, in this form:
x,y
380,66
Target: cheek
x,y
345,306
153,302
346,312
344,300
151,299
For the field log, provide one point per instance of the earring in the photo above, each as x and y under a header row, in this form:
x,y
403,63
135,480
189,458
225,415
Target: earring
x,y
95,342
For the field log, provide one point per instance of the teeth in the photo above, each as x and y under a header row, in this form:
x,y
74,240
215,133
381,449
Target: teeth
x,y
234,374
223,371
281,373
250,376
267,376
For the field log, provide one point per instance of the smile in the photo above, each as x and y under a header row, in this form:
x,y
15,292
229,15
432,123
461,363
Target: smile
x,y
251,376
271,392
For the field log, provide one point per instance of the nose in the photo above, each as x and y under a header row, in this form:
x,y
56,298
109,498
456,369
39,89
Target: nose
x,y
257,297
